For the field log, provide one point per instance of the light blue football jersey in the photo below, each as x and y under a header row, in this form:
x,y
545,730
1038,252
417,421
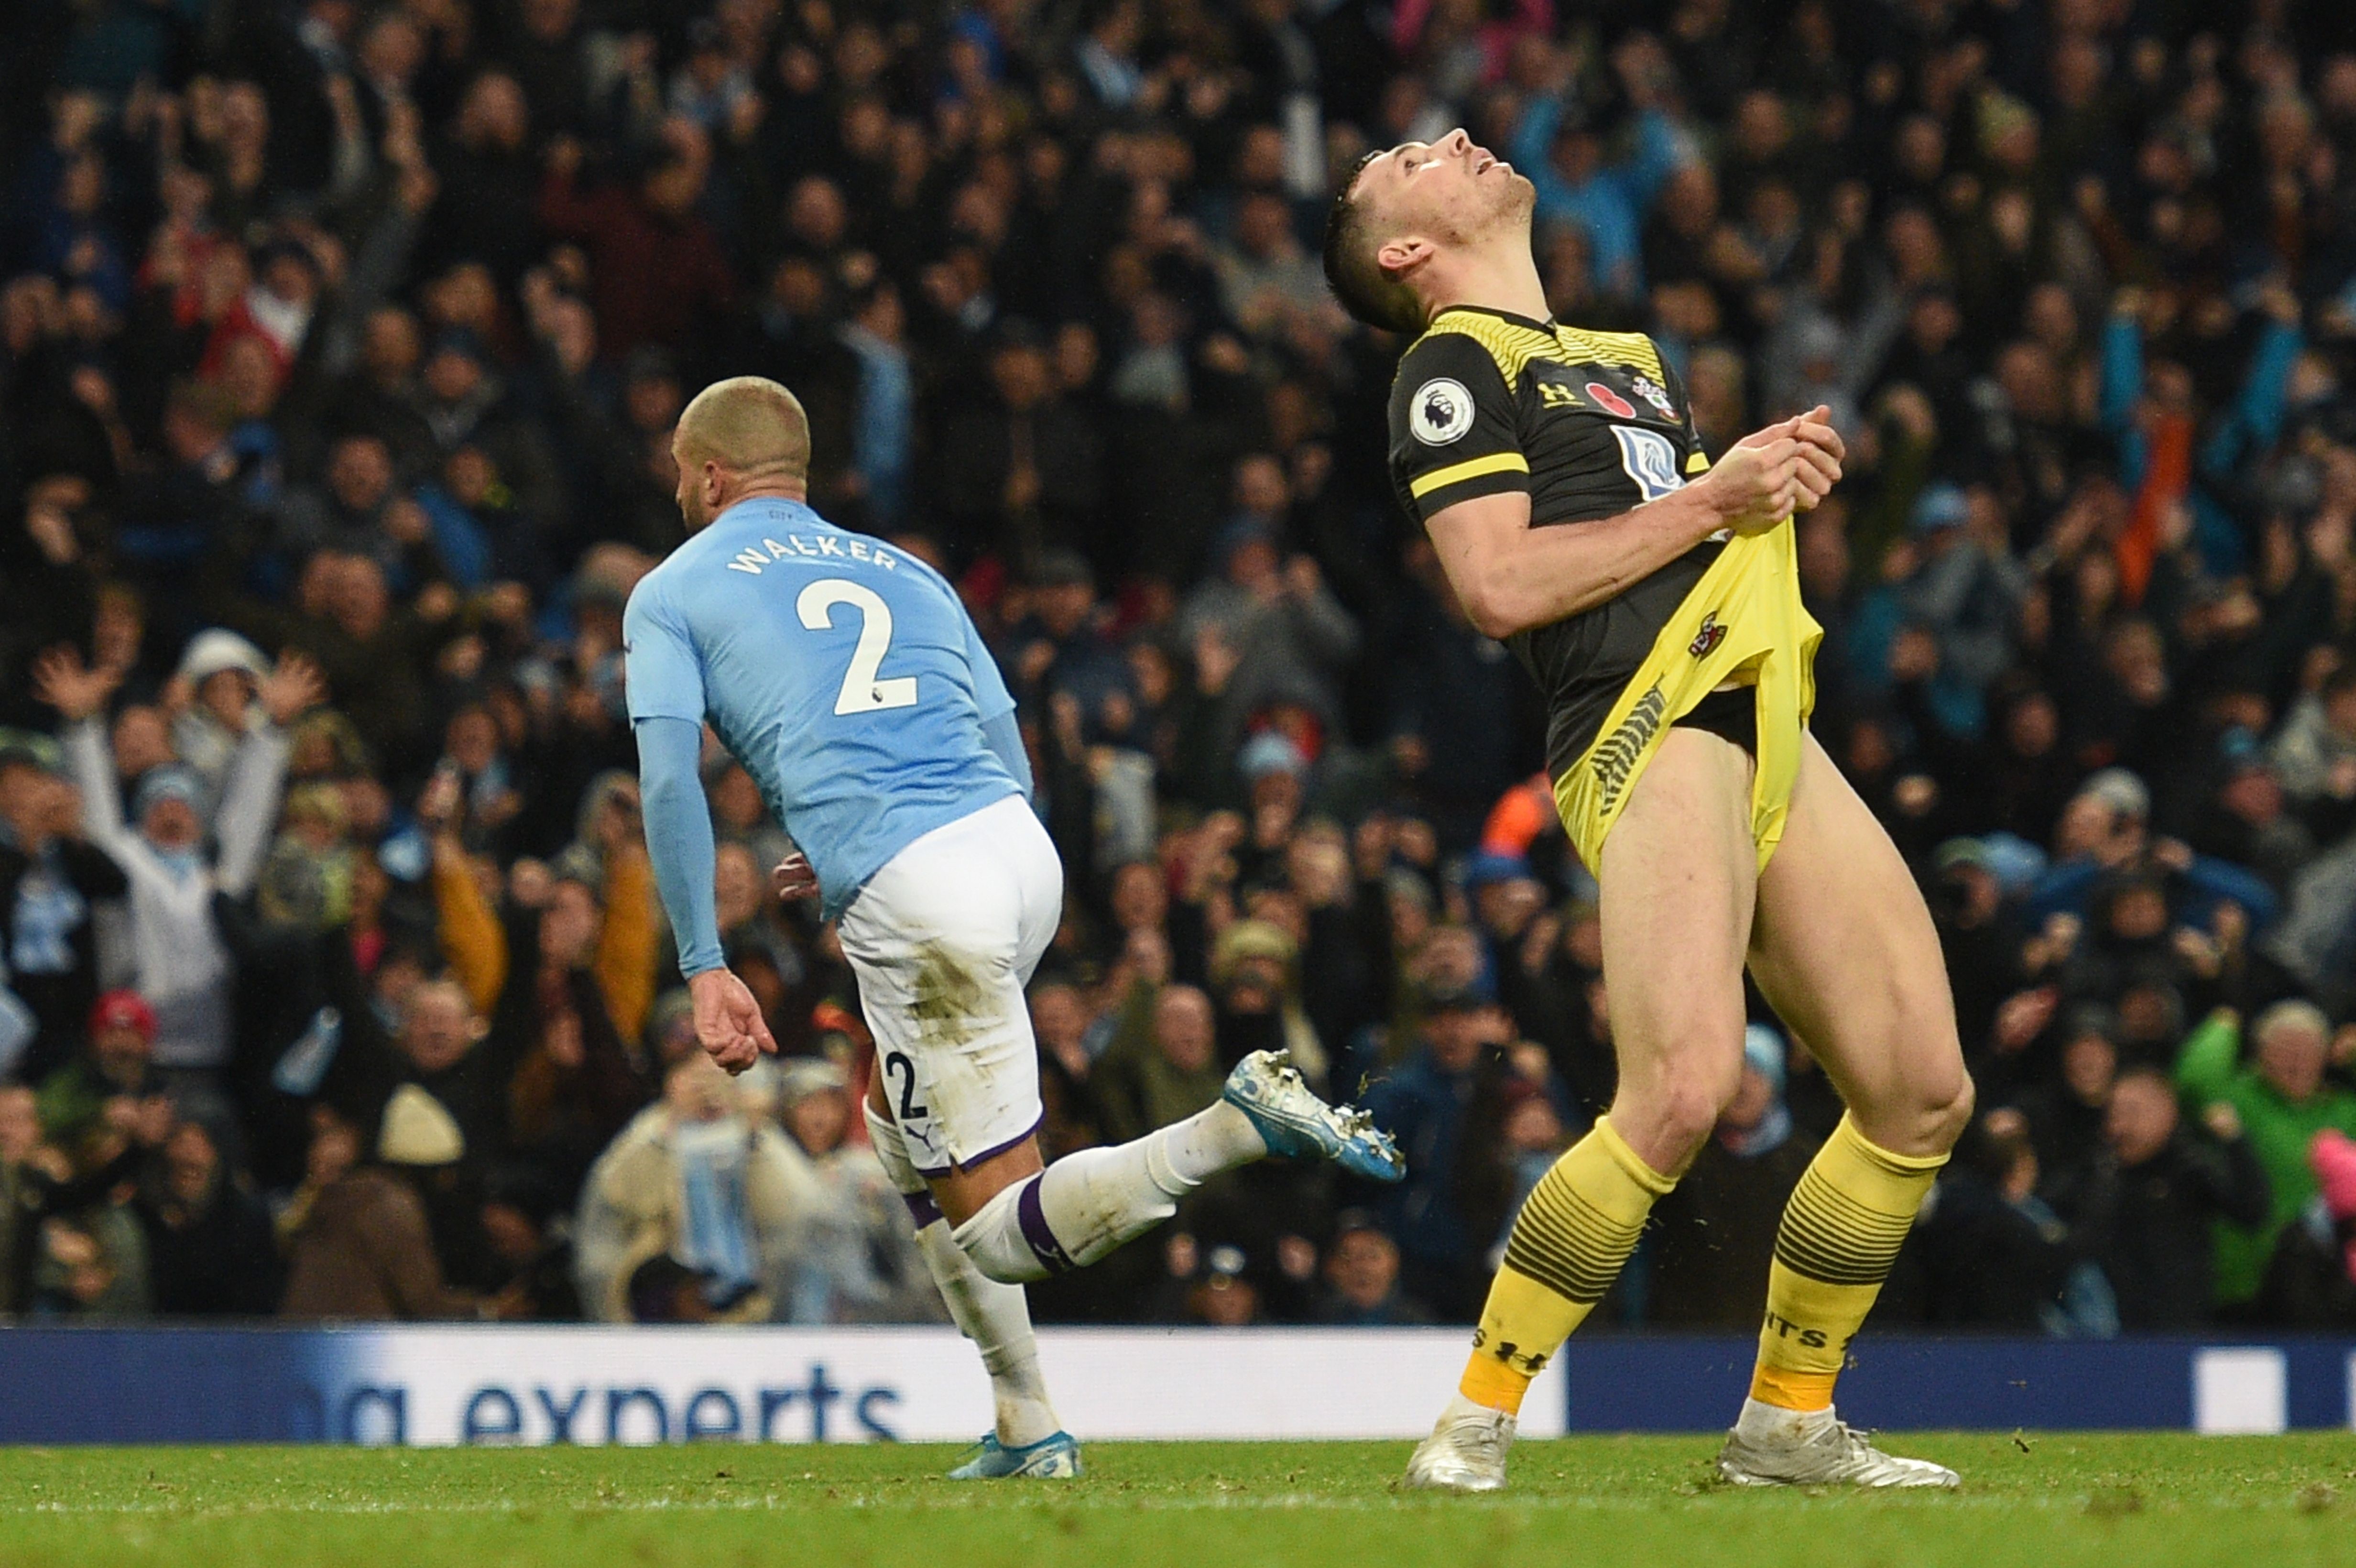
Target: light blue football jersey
x,y
844,674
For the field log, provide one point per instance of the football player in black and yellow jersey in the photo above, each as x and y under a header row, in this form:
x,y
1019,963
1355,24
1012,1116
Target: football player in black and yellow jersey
x,y
1654,598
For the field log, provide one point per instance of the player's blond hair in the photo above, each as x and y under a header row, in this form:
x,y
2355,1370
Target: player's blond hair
x,y
749,425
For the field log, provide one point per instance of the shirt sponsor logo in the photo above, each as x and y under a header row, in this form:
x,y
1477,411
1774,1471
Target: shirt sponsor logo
x,y
1441,412
1649,459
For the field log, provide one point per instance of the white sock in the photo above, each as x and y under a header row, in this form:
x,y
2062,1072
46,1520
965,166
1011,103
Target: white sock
x,y
995,1317
1772,1423
1088,1203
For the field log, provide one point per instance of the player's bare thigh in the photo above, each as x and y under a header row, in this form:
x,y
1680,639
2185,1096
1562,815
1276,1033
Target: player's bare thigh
x,y
1679,877
961,1192
1843,949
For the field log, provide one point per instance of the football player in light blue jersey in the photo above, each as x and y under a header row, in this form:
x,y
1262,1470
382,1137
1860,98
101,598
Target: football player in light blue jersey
x,y
845,676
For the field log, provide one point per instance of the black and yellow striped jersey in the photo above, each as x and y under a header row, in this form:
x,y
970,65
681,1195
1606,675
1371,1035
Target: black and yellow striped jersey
x,y
1590,424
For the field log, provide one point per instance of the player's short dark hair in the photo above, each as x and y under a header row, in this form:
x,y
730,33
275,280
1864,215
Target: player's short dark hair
x,y
1351,272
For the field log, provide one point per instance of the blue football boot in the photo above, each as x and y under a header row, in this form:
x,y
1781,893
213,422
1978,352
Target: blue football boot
x,y
1298,1125
1056,1457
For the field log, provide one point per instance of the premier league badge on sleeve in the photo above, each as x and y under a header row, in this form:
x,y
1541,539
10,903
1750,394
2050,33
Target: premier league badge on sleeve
x,y
1442,412
1653,392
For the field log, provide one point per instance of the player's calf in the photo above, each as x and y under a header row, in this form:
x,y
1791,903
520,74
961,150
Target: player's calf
x,y
1088,1203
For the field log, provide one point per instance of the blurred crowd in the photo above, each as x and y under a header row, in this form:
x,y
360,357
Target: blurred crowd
x,y
339,347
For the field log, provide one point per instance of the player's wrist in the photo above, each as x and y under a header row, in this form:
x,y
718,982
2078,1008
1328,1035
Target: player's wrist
x,y
1704,508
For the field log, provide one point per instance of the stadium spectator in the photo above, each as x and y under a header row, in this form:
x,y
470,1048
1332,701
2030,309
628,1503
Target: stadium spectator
x,y
1427,1102
2334,1158
183,966
2146,1209
1362,1277
1162,1063
2281,1098
2065,1118
117,1064
69,1251
861,1264
359,1245
1986,1254
703,1179
211,1248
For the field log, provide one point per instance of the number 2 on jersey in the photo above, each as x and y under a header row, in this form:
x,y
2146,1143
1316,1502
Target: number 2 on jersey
x,y
862,691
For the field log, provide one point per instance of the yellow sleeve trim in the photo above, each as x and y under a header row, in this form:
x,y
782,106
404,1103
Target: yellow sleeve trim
x,y
1474,468
1697,462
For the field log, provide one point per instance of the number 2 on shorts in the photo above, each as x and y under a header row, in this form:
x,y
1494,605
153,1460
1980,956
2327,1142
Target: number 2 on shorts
x,y
862,691
898,1065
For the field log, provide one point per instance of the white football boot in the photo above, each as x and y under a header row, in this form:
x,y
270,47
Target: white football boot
x,y
1466,1450
1773,1447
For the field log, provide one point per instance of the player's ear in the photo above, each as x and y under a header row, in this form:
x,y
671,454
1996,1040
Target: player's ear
x,y
1404,254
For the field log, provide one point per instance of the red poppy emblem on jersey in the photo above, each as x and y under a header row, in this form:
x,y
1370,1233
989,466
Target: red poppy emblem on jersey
x,y
1611,400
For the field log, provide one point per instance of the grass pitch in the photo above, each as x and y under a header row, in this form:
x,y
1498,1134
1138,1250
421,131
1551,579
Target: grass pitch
x,y
2041,1501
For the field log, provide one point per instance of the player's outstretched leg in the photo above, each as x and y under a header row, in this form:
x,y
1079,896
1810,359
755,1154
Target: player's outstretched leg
x,y
1845,950
1027,1439
1090,1202
1678,876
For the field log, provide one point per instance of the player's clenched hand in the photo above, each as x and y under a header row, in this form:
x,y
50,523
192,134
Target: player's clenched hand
x,y
1815,428
1821,450
728,1022
1817,453
794,878
1756,485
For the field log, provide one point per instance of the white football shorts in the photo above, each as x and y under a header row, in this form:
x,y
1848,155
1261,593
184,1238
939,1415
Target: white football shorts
x,y
943,941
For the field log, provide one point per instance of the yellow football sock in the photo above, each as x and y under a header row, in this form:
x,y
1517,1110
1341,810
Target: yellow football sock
x,y
1567,1246
1840,1233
